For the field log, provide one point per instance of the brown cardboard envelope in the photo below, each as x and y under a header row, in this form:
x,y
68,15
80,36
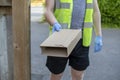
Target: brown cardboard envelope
x,y
61,44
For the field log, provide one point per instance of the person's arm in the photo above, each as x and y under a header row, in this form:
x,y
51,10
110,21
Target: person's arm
x,y
97,19
50,16
97,27
49,12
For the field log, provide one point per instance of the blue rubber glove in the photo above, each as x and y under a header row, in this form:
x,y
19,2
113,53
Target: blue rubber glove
x,y
98,44
56,27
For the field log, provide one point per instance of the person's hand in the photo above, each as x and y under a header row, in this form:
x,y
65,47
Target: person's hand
x,y
56,27
98,44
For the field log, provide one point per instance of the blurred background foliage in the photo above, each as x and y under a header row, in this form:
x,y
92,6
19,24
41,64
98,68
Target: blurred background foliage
x,y
110,12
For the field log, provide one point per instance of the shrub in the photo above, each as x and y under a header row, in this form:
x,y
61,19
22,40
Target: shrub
x,y
110,11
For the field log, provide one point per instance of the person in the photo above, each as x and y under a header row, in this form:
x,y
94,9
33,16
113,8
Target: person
x,y
74,14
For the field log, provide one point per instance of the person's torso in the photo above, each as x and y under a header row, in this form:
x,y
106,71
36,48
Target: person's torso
x,y
78,14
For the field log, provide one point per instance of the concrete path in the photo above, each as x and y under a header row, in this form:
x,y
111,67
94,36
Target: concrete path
x,y
104,65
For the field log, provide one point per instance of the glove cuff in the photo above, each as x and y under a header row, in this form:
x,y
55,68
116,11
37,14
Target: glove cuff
x,y
55,23
99,37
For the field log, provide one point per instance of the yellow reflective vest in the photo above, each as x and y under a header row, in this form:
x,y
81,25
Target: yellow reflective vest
x,y
63,14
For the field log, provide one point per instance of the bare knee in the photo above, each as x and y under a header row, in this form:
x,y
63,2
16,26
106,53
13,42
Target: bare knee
x,y
77,75
56,76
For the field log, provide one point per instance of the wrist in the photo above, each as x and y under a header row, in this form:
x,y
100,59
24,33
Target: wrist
x,y
99,36
55,23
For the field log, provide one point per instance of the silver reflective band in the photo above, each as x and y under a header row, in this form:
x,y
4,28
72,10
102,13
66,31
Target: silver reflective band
x,y
89,5
65,5
57,5
60,5
64,25
88,24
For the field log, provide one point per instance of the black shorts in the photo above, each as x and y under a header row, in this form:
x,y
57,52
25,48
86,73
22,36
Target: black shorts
x,y
78,60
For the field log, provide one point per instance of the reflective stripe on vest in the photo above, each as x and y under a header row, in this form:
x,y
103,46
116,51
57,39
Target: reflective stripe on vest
x,y
63,14
60,5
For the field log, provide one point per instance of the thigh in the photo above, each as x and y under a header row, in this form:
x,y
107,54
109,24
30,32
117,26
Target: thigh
x,y
79,58
56,65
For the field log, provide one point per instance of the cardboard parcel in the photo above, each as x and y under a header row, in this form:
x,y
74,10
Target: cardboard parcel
x,y
61,44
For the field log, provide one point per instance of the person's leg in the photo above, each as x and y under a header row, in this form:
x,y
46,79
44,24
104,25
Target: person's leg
x,y
79,61
56,65
77,75
56,76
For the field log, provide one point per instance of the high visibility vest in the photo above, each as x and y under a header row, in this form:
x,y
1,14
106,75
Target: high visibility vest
x,y
63,14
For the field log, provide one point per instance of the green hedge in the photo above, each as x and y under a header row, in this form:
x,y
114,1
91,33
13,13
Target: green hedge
x,y
110,11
